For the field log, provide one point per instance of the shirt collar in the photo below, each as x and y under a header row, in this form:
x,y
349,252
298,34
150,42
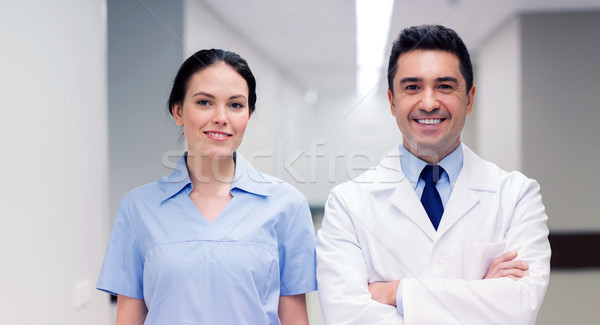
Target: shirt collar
x,y
245,178
177,180
248,179
412,165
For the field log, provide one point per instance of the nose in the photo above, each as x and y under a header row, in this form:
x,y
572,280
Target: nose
x,y
220,116
428,101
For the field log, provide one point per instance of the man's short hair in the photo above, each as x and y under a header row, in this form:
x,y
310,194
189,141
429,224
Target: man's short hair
x,y
430,37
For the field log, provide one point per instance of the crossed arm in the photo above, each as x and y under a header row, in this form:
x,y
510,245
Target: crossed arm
x,y
504,266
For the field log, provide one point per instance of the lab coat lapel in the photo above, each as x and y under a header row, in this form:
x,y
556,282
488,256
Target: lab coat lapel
x,y
403,197
475,177
461,201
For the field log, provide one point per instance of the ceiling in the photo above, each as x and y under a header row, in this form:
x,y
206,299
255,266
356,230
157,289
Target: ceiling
x,y
314,40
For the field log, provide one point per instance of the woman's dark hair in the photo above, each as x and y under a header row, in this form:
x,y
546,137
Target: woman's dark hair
x,y
430,37
202,60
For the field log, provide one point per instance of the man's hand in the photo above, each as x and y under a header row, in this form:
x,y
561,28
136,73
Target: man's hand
x,y
384,292
505,266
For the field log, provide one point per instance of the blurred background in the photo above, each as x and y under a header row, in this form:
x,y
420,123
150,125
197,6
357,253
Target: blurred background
x,y
84,86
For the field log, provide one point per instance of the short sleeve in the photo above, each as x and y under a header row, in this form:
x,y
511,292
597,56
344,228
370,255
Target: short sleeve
x,y
297,261
122,269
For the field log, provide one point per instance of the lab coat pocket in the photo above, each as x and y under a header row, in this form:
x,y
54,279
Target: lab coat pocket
x,y
478,256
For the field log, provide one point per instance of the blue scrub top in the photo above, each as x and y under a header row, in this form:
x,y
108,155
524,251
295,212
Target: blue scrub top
x,y
229,271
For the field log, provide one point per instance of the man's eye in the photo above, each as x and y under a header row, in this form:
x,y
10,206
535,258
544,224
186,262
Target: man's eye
x,y
411,87
445,86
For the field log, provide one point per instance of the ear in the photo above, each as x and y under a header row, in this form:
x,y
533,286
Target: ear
x,y
177,112
391,99
470,98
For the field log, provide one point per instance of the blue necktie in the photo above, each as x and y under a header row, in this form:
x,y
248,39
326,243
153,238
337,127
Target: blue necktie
x,y
431,197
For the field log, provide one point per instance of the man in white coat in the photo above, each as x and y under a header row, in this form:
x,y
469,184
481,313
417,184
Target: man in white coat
x,y
462,243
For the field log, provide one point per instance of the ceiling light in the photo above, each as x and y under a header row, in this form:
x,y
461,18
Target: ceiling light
x,y
373,19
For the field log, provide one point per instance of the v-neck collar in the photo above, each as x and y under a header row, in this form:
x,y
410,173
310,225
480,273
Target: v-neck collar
x,y
245,178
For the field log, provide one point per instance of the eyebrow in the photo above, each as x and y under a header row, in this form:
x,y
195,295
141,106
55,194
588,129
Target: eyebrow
x,y
447,79
202,93
237,96
410,79
440,79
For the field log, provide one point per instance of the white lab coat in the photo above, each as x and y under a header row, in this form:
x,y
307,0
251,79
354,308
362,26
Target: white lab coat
x,y
376,229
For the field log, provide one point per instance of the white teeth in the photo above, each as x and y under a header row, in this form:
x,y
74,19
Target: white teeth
x,y
430,121
218,135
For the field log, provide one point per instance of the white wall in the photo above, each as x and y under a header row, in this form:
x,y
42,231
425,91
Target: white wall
x,y
538,104
498,97
561,114
54,166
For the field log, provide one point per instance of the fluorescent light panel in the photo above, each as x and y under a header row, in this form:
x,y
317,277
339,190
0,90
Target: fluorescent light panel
x,y
373,19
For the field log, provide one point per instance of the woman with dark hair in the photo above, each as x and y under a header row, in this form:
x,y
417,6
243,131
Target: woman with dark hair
x,y
215,242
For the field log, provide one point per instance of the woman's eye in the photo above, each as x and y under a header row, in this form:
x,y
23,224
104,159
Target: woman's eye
x,y
236,105
203,102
